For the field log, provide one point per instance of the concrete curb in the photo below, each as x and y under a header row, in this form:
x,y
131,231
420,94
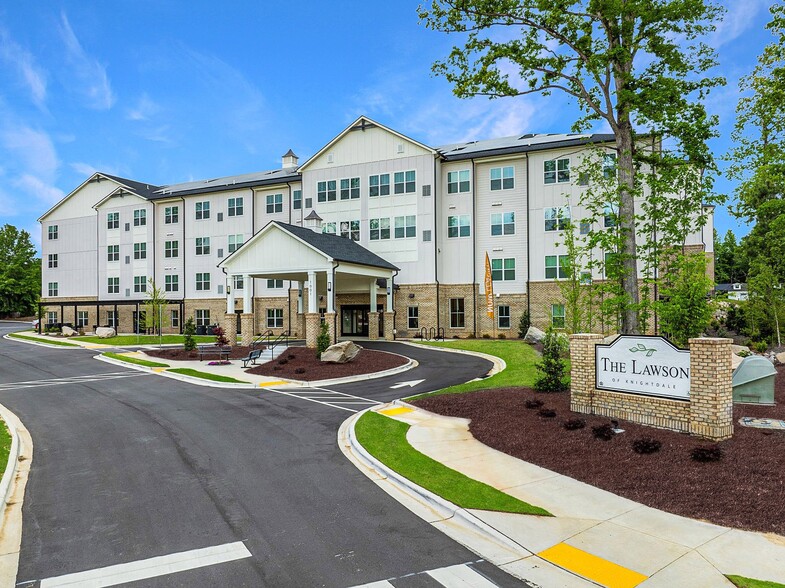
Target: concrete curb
x,y
174,376
43,344
499,365
410,364
13,457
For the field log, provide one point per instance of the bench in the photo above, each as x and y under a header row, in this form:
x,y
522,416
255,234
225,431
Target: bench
x,y
252,357
214,351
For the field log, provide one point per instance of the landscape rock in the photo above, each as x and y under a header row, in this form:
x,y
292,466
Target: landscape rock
x,y
780,357
105,332
739,348
340,352
735,360
68,331
534,335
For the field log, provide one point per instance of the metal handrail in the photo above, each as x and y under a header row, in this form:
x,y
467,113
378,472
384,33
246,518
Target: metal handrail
x,y
261,338
282,338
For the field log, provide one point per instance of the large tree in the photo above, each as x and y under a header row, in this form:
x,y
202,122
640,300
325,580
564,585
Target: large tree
x,y
20,272
637,65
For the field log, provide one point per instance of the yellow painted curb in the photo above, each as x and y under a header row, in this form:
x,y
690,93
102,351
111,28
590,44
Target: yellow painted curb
x,y
597,569
277,383
395,411
159,370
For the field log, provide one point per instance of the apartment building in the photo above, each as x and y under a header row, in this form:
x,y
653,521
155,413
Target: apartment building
x,y
377,234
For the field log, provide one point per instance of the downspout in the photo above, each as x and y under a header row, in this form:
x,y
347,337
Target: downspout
x,y
392,293
335,306
528,245
436,246
289,289
252,285
154,256
185,255
474,249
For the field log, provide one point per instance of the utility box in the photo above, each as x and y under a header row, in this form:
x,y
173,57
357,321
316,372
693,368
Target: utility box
x,y
753,381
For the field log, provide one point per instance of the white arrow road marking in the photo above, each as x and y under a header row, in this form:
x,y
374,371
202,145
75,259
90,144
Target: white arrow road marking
x,y
411,384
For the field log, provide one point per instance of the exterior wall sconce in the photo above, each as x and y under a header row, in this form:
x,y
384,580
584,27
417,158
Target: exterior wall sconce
x,y
411,295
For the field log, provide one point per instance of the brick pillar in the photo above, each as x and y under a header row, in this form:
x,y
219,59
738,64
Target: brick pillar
x,y
230,327
373,326
312,328
246,326
711,394
582,376
389,326
329,318
299,325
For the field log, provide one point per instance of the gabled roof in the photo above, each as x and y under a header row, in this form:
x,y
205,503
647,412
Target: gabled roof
x,y
263,178
140,188
520,144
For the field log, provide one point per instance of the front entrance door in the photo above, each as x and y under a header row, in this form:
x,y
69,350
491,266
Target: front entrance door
x,y
140,321
354,320
239,314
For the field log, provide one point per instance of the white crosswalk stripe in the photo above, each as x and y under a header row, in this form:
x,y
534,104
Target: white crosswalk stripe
x,y
72,380
457,576
333,398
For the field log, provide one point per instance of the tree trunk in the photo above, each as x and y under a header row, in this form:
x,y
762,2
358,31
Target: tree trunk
x,y
626,169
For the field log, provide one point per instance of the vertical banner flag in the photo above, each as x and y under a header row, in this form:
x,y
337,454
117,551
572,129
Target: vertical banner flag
x,y
488,287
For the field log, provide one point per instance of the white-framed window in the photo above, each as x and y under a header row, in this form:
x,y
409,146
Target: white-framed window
x,y
502,223
405,182
237,282
503,270
112,253
326,191
140,284
113,285
81,318
297,199
52,257
113,220
140,217
503,178
140,250
202,210
350,188
380,229
458,182
202,317
171,283
379,185
503,316
556,266
457,316
51,317
203,281
459,226
609,166
329,228
557,316
111,318
53,288
556,171
275,283
235,206
610,215
171,215
274,203
585,227
413,316
203,246
405,226
350,230
174,318
235,242
557,218
52,232
171,249
275,318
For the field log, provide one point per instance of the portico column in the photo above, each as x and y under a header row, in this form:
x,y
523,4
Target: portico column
x,y
312,308
330,293
247,308
389,315
230,296
373,315
312,322
299,297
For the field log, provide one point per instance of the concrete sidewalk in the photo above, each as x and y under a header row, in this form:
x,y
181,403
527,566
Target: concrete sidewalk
x,y
594,538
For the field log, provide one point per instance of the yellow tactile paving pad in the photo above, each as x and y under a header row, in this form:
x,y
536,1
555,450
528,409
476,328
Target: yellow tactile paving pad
x,y
395,411
276,383
590,566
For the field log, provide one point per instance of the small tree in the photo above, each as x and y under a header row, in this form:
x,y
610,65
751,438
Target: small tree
x,y
220,337
154,316
685,311
189,330
323,340
524,324
552,366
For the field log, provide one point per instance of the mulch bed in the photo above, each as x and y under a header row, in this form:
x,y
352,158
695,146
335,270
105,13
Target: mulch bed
x,y
745,489
296,358
180,354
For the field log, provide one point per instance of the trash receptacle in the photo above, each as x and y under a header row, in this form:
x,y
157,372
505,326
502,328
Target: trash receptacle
x,y
753,381
201,330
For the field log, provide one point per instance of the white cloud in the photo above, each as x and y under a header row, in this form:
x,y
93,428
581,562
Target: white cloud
x,y
144,109
37,187
740,16
23,61
33,149
82,168
90,76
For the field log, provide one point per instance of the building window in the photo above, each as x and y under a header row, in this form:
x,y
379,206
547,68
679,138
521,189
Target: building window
x,y
503,314
140,250
235,242
328,228
113,285
585,227
503,223
458,182
557,316
172,249
53,288
171,215
610,215
609,166
414,317
379,185
350,188
202,317
275,318
174,318
459,226
111,318
502,178
112,253
275,283
81,318
171,283
503,270
297,199
51,317
202,210
350,230
140,217
52,232
380,228
457,319
140,284
235,207
405,182
203,281
557,171
274,203
113,220
556,266
405,227
557,218
53,260
237,282
326,191
203,246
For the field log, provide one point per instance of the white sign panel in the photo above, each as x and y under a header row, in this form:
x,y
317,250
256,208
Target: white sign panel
x,y
639,364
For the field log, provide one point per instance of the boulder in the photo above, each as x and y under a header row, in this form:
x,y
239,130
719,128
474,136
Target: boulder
x,y
735,360
68,331
737,348
780,357
534,335
342,352
105,332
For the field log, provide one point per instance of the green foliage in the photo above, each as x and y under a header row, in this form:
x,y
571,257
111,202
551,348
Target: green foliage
x,y
743,582
322,340
136,360
220,337
155,308
684,310
552,367
189,330
206,375
736,319
730,260
765,310
20,272
524,324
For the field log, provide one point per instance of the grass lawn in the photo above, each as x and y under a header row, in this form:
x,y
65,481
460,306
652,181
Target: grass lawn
x,y
39,340
5,446
144,339
385,439
520,358
205,375
743,582
135,360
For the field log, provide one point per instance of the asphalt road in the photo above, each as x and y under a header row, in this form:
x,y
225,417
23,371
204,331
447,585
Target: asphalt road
x,y
129,466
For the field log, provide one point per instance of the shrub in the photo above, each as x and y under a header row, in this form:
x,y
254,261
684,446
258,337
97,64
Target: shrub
x,y
277,368
552,366
574,424
291,356
502,336
524,324
471,336
604,432
322,340
706,453
283,361
535,403
486,336
547,413
189,330
220,337
644,445
299,370
760,346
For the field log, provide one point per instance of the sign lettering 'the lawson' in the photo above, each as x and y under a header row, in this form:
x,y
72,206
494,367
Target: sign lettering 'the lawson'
x,y
638,364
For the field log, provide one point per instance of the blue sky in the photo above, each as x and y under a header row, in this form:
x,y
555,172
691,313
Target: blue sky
x,y
167,91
